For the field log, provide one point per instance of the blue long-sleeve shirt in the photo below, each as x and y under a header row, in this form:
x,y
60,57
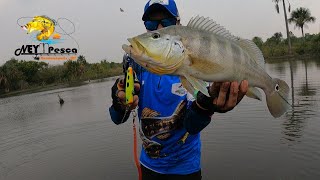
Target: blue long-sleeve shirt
x,y
170,124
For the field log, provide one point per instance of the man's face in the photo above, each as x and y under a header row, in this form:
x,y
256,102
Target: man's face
x,y
159,15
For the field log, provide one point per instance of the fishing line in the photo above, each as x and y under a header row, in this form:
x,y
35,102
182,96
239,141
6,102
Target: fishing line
x,y
22,18
68,34
57,22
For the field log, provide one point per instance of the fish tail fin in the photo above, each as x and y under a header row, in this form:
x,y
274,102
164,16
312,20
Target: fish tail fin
x,y
277,98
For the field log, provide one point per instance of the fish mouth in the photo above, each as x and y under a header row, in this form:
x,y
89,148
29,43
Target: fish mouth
x,y
136,45
138,52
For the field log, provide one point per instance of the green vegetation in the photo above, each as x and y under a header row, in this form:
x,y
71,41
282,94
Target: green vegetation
x,y
276,46
20,75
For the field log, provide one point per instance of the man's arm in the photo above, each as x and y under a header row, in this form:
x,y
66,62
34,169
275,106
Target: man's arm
x,y
224,97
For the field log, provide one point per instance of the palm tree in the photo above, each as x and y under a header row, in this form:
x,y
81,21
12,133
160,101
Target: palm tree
x,y
300,17
286,19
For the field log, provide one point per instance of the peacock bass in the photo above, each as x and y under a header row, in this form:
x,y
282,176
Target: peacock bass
x,y
205,51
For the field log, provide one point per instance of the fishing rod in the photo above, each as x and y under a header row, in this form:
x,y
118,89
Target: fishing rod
x,y
129,94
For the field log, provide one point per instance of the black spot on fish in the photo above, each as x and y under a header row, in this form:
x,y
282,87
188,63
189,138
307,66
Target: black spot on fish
x,y
177,44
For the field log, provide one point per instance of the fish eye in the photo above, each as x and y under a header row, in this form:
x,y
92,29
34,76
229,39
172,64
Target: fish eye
x,y
276,87
155,35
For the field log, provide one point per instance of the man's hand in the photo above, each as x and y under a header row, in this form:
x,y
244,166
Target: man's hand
x,y
228,94
119,95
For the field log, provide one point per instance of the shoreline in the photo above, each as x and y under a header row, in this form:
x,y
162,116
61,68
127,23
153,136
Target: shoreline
x,y
55,86
292,57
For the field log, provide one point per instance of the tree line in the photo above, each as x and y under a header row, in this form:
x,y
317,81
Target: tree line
x,y
299,17
276,46
21,74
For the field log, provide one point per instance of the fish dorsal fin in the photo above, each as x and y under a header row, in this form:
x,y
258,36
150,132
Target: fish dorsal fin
x,y
253,51
207,24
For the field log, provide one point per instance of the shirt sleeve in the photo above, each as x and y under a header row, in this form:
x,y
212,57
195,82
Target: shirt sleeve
x,y
118,117
196,119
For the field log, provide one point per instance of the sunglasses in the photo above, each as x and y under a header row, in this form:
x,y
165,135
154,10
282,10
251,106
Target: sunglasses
x,y
153,25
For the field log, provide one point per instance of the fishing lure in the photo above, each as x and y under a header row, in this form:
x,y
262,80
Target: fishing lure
x,y
129,86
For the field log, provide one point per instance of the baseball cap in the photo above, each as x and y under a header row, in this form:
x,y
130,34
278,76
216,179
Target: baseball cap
x,y
169,5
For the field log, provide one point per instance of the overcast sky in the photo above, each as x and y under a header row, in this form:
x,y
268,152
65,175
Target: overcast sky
x,y
101,28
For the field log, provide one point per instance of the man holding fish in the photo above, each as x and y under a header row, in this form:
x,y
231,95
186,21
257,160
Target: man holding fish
x,y
171,118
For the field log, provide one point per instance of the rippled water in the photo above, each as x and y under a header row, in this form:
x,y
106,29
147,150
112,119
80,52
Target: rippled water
x,y
39,139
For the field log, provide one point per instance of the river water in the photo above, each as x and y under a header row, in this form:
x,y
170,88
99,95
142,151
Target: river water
x,y
39,139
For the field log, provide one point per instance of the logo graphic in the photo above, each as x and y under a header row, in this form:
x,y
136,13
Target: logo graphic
x,y
163,2
178,89
45,39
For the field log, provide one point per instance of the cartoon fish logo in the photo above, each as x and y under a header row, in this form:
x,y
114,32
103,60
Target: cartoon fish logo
x,y
44,25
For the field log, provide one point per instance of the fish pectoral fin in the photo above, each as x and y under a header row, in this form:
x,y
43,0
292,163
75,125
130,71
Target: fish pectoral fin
x,y
254,93
198,84
187,85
